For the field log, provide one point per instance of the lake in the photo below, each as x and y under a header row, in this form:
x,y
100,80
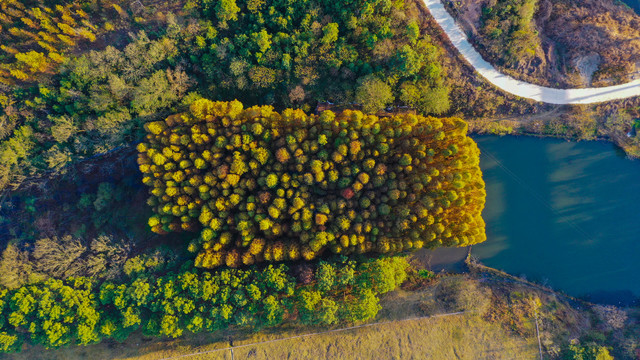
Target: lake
x,y
566,214
634,4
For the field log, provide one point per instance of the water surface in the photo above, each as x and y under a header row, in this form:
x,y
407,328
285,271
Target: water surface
x,y
563,213
634,4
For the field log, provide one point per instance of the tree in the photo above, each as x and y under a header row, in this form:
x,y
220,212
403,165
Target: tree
x,y
262,40
57,157
427,100
329,33
207,158
33,61
16,268
63,128
297,94
325,277
413,31
327,312
59,257
226,10
152,94
364,307
373,94
587,352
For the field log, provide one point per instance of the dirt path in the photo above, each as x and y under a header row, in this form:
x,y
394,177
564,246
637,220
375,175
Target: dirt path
x,y
521,88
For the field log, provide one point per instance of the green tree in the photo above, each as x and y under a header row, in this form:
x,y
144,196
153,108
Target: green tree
x,y
329,33
364,307
587,352
57,157
63,128
262,40
425,99
373,94
152,94
226,10
325,277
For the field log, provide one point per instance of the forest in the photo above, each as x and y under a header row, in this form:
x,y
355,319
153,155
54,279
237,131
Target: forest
x,y
81,311
94,97
85,88
174,168
245,216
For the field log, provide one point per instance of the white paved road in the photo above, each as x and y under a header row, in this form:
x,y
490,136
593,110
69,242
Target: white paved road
x,y
521,88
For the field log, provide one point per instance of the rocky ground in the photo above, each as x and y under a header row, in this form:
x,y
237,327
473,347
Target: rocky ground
x,y
582,43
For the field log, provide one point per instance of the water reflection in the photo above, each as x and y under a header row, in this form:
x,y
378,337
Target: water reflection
x,y
562,211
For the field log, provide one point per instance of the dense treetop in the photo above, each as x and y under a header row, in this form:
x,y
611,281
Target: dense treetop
x,y
80,79
268,186
509,32
61,101
82,311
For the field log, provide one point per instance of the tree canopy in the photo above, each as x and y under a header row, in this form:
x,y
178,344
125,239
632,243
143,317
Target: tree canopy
x,y
268,186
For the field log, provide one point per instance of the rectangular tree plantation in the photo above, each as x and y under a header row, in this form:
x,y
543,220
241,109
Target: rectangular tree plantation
x,y
266,186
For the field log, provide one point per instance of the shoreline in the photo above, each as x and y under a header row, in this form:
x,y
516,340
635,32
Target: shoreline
x,y
460,260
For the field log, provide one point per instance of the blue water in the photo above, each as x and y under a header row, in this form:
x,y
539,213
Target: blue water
x,y
634,4
562,213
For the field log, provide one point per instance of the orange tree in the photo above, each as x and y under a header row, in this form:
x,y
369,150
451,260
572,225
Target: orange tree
x,y
268,186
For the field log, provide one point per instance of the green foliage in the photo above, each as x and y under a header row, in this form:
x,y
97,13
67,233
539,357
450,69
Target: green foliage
x,y
158,260
346,292
425,99
258,206
384,275
95,105
426,274
226,10
54,313
586,352
508,31
373,94
287,51
80,311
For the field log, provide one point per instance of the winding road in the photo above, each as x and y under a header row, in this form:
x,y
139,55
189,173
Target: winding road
x,y
521,88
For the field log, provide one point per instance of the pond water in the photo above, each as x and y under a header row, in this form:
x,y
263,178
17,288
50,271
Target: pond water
x,y
634,4
566,214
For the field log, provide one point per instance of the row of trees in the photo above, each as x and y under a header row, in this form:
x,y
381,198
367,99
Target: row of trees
x,y
80,311
266,186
